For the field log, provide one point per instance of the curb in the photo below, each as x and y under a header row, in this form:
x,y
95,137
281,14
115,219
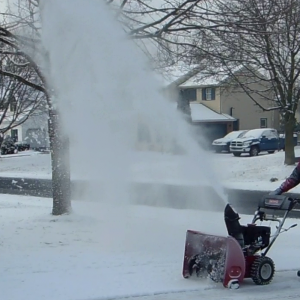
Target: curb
x,y
147,193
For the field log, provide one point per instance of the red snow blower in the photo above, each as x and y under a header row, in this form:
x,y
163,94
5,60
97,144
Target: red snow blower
x,y
242,254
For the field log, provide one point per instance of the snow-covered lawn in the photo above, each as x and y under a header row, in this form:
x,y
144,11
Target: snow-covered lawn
x,y
108,252
251,173
254,173
27,164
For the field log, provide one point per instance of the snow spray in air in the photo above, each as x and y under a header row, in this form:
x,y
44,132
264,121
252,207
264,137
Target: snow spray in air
x,y
129,144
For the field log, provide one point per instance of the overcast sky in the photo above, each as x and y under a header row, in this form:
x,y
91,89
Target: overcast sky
x,y
3,5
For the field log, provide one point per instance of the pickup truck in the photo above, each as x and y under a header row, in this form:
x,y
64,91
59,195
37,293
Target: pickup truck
x,y
255,141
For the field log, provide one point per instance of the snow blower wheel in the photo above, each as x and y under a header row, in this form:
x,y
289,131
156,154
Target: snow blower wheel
x,y
262,270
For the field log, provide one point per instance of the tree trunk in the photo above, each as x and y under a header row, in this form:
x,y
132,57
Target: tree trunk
x,y
289,139
61,178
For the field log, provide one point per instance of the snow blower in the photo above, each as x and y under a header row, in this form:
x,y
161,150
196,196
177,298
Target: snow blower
x,y
243,253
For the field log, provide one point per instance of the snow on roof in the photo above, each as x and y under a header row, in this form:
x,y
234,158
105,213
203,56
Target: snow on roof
x,y
177,74
202,79
201,113
199,75
210,78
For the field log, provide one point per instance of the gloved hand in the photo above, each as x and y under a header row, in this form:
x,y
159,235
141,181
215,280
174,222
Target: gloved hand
x,y
276,192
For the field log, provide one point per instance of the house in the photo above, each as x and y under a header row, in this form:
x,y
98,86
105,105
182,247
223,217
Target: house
x,y
33,131
217,105
23,115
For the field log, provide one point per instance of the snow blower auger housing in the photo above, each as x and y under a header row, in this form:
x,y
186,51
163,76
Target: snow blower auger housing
x,y
243,253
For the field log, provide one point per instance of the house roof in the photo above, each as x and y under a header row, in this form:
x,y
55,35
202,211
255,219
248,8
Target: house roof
x,y
199,75
176,74
209,78
185,76
201,113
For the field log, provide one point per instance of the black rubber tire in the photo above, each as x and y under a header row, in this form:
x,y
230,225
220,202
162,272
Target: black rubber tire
x,y
254,151
237,154
298,273
260,265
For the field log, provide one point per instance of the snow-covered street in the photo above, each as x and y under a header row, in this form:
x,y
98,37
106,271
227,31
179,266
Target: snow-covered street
x,y
114,252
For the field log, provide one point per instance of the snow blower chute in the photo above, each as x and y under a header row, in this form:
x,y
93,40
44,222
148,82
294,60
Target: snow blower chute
x,y
242,254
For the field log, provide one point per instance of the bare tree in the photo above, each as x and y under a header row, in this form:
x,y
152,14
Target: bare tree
x,y
268,48
17,101
21,46
167,31
170,31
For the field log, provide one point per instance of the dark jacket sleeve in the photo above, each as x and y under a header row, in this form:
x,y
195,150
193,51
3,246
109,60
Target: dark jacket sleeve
x,y
292,180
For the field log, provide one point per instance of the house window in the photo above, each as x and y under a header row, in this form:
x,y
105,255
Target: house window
x,y
186,96
208,94
263,123
189,94
14,135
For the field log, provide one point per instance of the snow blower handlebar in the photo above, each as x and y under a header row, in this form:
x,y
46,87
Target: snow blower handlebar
x,y
278,202
275,203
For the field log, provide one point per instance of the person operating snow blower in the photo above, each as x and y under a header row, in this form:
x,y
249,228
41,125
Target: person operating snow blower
x,y
292,181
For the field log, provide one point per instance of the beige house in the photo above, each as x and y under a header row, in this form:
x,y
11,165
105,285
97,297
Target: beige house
x,y
220,106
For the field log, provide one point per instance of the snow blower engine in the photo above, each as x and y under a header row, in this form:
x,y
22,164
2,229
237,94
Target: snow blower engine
x,y
243,253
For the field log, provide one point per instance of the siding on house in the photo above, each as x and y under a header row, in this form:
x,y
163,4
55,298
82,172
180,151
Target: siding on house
x,y
231,99
34,131
212,104
238,104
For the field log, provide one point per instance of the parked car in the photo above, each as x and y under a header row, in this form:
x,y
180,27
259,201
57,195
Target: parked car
x,y
282,140
223,144
255,141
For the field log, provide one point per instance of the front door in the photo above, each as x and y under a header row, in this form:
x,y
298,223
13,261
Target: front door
x,y
236,125
14,135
